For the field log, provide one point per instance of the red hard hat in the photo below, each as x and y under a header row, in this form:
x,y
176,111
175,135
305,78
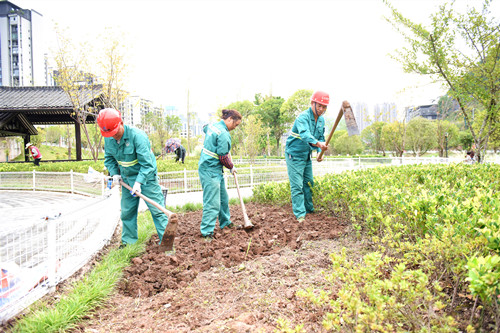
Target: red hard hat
x,y
109,121
320,97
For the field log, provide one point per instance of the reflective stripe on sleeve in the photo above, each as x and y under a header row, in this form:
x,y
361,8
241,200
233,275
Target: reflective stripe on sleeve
x,y
209,153
128,164
295,135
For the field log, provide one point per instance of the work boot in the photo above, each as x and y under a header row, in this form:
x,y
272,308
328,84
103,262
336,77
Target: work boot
x,y
301,219
208,238
230,226
122,246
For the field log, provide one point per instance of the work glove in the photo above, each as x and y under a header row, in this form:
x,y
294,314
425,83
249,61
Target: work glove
x,y
233,170
136,189
116,179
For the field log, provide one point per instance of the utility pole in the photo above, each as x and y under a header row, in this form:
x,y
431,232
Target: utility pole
x,y
187,127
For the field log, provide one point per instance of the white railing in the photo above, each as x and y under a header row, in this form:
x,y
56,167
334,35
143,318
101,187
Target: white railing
x,y
189,181
38,253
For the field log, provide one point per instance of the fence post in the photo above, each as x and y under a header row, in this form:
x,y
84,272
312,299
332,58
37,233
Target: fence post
x,y
251,176
71,177
185,181
34,183
359,162
51,253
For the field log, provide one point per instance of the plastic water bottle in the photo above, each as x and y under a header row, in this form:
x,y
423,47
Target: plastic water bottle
x,y
110,182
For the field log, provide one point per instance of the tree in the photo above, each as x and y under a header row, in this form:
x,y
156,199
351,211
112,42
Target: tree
x,y
255,136
446,135
348,145
163,128
420,135
271,116
394,137
372,136
76,75
298,102
463,52
245,108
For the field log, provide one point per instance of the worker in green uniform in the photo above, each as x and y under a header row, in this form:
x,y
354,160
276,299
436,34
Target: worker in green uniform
x,y
215,155
308,134
128,157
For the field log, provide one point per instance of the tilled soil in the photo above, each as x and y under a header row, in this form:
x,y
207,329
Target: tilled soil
x,y
242,281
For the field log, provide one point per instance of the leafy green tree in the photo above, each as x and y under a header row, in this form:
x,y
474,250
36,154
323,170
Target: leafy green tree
x,y
465,139
463,52
246,108
298,102
394,137
348,145
447,135
372,137
53,134
255,136
163,128
272,117
420,135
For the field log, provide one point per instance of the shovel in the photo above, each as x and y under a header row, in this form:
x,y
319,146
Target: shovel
x,y
167,242
247,224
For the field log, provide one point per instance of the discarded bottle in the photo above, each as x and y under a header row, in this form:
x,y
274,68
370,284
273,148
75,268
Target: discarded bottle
x,y
110,182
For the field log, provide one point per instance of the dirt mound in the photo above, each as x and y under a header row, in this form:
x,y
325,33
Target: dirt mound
x,y
275,228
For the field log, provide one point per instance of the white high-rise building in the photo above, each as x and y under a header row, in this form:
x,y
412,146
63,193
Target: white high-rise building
x,y
22,50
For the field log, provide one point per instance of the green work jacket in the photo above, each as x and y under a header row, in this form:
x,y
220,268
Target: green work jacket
x,y
217,142
132,158
305,131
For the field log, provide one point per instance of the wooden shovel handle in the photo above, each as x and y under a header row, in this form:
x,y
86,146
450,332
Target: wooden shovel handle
x,y
345,104
145,198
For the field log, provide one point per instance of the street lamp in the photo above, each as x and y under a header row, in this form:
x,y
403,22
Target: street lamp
x,y
446,143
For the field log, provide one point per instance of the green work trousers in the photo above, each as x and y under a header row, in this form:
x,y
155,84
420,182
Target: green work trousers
x,y
301,180
215,200
130,206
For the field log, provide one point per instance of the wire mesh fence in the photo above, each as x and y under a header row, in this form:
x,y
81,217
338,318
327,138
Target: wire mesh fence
x,y
38,251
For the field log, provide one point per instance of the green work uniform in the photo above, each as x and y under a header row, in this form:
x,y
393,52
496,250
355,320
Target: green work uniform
x,y
305,131
215,199
133,159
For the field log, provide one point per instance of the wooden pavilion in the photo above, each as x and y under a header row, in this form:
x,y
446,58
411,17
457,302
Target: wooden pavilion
x,y
23,107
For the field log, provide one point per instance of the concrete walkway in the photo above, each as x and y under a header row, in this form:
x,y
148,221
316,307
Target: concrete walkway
x,y
180,199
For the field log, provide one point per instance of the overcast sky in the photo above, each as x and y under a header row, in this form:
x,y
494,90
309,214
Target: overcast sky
x,y
229,50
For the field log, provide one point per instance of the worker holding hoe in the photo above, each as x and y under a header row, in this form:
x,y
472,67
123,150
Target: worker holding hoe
x,y
128,157
308,134
215,155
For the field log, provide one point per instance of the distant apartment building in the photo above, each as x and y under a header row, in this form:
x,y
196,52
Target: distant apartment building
x,y
362,116
22,49
386,112
425,111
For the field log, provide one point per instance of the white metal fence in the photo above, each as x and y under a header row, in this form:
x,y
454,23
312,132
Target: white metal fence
x,y
36,255
269,170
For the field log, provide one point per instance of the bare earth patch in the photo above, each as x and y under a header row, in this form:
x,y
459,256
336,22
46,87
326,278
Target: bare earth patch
x,y
243,281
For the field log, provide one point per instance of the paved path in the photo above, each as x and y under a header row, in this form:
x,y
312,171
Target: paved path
x,y
24,207
20,207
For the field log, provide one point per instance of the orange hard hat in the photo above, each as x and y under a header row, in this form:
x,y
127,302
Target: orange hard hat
x,y
109,121
320,97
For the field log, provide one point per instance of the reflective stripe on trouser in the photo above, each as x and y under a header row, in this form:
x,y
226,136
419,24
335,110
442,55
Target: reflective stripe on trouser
x,y
300,175
215,201
130,206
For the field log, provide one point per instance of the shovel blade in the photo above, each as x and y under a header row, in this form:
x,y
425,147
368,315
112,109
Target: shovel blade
x,y
167,242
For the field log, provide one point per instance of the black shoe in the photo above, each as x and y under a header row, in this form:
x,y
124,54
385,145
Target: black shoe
x,y
122,245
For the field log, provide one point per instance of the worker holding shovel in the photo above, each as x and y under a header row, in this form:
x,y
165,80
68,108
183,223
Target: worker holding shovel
x,y
215,155
308,134
128,157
